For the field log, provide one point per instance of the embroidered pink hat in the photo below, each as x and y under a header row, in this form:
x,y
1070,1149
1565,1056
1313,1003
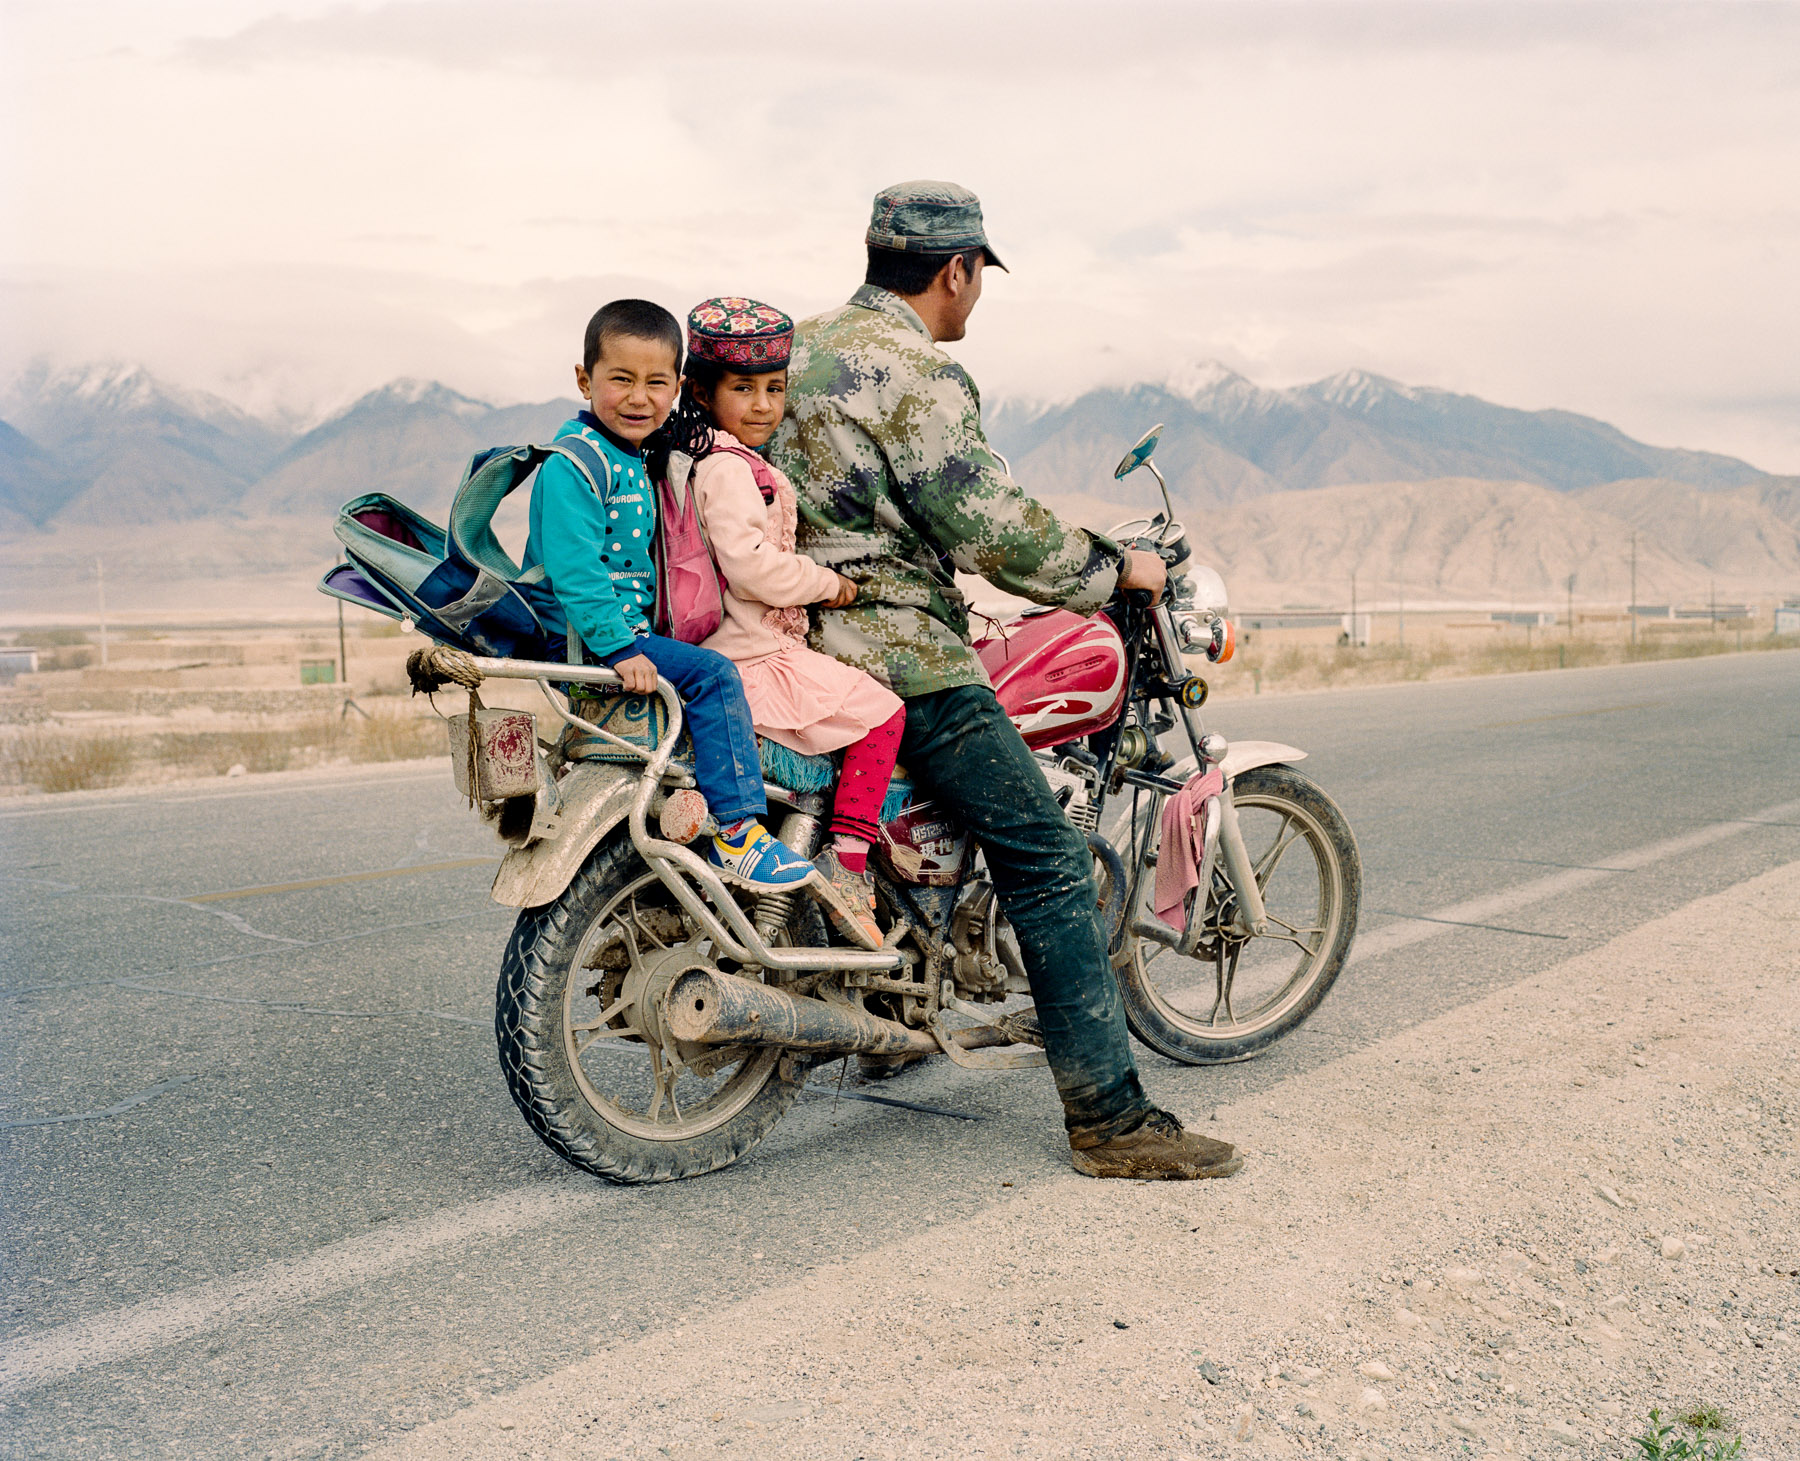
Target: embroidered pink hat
x,y
740,334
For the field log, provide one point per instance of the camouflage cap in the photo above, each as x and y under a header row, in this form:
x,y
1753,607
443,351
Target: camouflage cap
x,y
927,217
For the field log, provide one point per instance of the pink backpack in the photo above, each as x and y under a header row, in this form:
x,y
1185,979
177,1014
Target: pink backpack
x,y
690,590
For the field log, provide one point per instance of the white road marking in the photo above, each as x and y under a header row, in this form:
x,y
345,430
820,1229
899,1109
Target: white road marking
x,y
118,1334
1483,910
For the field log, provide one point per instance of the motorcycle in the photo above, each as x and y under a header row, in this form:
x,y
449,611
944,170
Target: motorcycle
x,y
655,1024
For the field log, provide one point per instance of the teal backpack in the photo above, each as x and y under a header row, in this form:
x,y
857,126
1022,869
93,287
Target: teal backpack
x,y
456,583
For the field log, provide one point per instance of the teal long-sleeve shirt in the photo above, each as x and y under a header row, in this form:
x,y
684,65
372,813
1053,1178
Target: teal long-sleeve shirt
x,y
596,548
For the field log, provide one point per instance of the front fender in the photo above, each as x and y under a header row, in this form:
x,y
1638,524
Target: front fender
x,y
595,798
1248,755
1243,756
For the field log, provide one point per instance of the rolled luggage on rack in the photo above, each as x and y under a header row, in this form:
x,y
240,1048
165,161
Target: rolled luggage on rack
x,y
456,583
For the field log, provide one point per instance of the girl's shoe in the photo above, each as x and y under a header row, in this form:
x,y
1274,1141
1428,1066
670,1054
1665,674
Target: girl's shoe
x,y
849,900
755,860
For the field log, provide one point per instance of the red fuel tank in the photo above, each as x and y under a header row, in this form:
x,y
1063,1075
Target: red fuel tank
x,y
1058,676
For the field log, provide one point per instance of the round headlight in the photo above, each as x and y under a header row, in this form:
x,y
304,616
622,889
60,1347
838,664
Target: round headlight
x,y
1209,590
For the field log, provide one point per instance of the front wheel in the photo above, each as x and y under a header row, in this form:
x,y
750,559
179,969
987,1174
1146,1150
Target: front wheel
x,y
1237,996
581,1043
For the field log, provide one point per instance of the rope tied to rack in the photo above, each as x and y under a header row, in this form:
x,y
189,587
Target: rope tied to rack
x,y
432,668
437,665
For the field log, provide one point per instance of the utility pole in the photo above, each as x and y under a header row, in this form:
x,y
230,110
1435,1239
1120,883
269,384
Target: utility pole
x,y
1402,615
1712,604
1353,640
100,589
1571,609
344,671
1634,590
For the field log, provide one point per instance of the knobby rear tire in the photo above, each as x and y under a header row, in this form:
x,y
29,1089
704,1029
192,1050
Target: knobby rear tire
x,y
529,1014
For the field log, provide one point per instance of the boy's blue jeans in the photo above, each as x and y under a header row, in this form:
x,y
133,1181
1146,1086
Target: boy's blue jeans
x,y
726,763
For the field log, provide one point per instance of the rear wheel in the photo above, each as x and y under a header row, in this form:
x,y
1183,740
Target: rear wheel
x,y
577,1018
1237,996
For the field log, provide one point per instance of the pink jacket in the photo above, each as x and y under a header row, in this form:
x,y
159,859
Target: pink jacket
x,y
766,582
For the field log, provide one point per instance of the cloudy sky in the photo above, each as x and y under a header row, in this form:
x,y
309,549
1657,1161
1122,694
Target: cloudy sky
x,y
1580,205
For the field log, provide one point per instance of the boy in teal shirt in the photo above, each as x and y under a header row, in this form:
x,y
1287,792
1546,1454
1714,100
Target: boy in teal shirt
x,y
595,549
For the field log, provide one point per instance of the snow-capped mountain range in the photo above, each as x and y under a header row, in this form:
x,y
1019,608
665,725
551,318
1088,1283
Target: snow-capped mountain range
x,y
1463,490
112,444
1229,439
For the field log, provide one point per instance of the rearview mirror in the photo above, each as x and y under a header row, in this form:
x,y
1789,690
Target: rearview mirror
x,y
1139,454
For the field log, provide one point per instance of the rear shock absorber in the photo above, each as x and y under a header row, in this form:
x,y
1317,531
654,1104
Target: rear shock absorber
x,y
800,830
772,913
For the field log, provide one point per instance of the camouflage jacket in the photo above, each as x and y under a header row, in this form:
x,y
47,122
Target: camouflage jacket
x,y
898,489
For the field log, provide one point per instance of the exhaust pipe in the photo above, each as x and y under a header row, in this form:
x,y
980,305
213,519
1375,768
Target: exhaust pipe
x,y
710,1008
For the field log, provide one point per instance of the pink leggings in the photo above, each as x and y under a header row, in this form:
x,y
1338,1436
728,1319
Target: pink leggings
x,y
868,767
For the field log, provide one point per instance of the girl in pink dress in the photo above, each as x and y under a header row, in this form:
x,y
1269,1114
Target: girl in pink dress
x,y
733,396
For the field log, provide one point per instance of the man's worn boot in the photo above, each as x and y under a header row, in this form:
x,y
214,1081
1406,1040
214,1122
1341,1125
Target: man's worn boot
x,y
1160,1149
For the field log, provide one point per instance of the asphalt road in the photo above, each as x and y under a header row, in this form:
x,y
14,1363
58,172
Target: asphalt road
x,y
264,1193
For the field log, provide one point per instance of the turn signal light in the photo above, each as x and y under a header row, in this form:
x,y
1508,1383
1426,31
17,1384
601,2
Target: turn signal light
x,y
1224,643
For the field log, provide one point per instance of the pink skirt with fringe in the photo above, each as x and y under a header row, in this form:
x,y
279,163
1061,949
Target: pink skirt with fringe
x,y
812,703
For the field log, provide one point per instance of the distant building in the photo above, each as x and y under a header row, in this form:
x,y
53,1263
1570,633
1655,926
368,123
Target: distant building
x,y
1526,618
16,662
1351,628
1296,619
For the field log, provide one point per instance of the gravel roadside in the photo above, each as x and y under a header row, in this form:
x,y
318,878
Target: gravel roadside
x,y
1510,1230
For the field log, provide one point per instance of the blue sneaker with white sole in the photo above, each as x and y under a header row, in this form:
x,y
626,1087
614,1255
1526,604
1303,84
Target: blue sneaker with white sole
x,y
754,859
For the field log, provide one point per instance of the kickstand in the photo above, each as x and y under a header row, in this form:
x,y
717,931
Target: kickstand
x,y
843,1070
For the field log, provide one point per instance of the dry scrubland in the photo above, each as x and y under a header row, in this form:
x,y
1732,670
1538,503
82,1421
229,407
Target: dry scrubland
x,y
213,703
62,757
1283,661
162,710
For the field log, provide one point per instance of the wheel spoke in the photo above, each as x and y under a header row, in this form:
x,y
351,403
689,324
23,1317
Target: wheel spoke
x,y
650,1092
1226,964
606,1017
656,1077
643,927
1294,934
1265,869
599,1035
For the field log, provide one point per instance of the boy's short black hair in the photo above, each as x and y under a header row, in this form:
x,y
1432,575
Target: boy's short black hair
x,y
904,272
637,318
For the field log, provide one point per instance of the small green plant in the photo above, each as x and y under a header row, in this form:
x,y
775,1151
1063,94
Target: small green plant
x,y
1662,1442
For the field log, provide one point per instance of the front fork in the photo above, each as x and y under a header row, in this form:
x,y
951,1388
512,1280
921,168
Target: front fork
x,y
1224,836
1225,850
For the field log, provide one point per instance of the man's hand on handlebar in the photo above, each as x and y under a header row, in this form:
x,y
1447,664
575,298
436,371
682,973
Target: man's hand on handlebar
x,y
637,674
1143,571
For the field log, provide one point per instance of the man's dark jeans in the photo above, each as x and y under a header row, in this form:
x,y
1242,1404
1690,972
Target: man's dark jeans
x,y
963,751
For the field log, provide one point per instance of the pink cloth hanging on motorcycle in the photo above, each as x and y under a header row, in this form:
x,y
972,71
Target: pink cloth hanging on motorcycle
x,y
1183,844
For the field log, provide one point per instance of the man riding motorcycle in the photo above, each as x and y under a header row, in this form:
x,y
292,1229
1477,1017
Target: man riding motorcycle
x,y
898,489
